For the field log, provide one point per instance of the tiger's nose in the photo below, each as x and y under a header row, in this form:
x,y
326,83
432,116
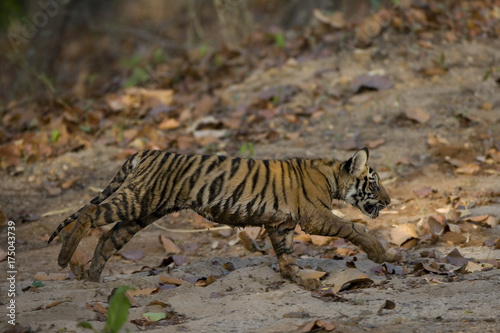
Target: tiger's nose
x,y
387,202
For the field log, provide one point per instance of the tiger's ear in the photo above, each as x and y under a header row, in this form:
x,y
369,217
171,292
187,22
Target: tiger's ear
x,y
357,162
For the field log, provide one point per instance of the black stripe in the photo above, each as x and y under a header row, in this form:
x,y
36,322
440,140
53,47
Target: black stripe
x,y
238,192
235,166
275,196
194,177
199,197
216,187
283,189
172,167
250,206
211,166
255,178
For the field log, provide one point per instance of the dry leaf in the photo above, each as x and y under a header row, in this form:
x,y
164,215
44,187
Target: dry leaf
x,y
67,184
168,124
320,240
171,280
477,218
373,82
418,114
388,305
140,292
350,277
473,267
203,282
133,255
316,326
51,305
169,246
436,227
311,274
402,233
454,238
155,97
336,19
469,169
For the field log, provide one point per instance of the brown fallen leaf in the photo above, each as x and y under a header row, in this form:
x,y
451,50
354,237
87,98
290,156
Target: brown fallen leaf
x,y
203,282
51,305
454,238
316,326
311,274
436,226
468,169
133,255
388,305
320,240
67,184
168,124
141,292
477,218
349,278
335,19
97,307
373,82
456,258
434,70
402,233
473,267
171,280
249,243
417,114
169,246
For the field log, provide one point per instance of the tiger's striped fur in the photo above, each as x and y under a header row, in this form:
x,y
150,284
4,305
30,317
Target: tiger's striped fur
x,y
278,194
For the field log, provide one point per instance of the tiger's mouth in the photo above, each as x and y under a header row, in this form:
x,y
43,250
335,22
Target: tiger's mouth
x,y
373,210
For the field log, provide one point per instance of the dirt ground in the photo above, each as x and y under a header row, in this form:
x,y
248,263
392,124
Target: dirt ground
x,y
249,294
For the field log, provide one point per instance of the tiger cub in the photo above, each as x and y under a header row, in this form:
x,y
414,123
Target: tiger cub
x,y
276,194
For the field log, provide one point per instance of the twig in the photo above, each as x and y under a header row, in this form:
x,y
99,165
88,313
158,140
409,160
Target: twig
x,y
226,227
59,211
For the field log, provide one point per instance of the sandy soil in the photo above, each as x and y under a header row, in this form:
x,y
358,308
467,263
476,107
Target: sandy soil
x,y
248,294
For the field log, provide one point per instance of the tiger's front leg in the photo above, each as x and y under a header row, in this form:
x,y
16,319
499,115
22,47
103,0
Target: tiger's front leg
x,y
325,223
282,240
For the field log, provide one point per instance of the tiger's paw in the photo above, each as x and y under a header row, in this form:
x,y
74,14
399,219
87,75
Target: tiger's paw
x,y
309,284
92,276
374,249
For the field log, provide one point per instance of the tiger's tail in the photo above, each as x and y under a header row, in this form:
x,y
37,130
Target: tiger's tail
x,y
130,164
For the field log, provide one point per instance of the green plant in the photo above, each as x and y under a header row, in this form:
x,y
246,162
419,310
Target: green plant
x,y
55,135
279,40
247,149
37,284
117,312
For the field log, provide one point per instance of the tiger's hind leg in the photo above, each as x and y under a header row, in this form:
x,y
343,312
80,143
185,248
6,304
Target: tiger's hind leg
x,y
113,241
124,207
282,240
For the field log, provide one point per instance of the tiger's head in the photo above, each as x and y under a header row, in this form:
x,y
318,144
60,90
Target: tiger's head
x,y
364,188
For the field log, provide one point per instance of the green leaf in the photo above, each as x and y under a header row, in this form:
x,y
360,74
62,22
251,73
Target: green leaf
x,y
55,135
279,40
118,310
85,324
138,76
154,316
37,284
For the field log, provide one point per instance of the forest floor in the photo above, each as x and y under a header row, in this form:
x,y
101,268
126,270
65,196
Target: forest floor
x,y
434,137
